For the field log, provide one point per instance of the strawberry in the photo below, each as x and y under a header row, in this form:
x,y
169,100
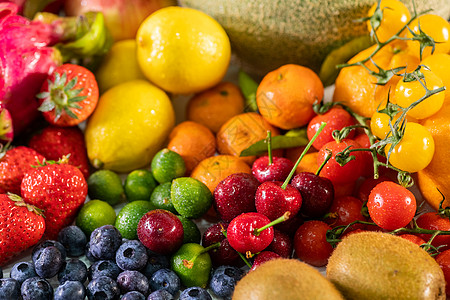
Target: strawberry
x,y
21,226
69,95
59,189
55,142
14,162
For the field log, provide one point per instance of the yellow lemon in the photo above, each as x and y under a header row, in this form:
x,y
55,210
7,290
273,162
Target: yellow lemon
x,y
129,125
119,65
182,50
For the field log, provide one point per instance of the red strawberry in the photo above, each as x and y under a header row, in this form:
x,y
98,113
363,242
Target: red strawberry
x,y
59,189
21,226
69,95
55,142
14,162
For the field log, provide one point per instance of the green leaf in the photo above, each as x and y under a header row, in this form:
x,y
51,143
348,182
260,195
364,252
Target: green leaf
x,y
278,142
248,87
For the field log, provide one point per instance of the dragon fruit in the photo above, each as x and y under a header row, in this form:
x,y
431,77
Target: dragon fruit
x,y
30,50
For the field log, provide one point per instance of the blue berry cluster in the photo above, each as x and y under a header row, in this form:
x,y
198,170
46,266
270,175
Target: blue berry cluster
x,y
119,269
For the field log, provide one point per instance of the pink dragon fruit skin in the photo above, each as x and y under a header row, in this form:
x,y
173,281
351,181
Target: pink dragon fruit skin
x,y
26,58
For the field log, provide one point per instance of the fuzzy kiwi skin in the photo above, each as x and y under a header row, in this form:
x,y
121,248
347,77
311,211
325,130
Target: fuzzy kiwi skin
x,y
266,34
286,279
375,265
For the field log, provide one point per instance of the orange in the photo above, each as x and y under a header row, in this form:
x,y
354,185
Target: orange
x,y
356,88
215,106
308,162
286,95
437,174
242,131
214,169
193,142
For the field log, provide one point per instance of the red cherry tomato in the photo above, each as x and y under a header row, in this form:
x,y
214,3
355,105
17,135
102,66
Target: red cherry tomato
x,y
310,243
391,205
345,210
434,221
412,238
367,185
443,260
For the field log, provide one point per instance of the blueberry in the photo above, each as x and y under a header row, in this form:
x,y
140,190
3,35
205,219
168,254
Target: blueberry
x,y
9,289
224,279
103,287
21,271
46,244
1,273
36,288
195,293
73,239
104,242
73,270
160,295
131,255
133,281
104,268
155,262
48,261
133,295
165,279
89,255
70,290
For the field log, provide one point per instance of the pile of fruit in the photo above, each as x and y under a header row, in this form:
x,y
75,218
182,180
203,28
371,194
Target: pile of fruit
x,y
246,187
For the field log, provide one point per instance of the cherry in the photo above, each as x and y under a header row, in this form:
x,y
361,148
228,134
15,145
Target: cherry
x,y
268,168
281,244
344,211
262,257
317,193
224,254
290,226
252,232
235,195
310,243
160,231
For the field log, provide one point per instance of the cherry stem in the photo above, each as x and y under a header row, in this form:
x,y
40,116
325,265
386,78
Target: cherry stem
x,y
283,218
224,232
190,263
327,158
286,182
269,146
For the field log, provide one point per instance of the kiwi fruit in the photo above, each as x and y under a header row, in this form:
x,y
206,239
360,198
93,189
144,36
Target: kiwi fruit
x,y
285,279
375,265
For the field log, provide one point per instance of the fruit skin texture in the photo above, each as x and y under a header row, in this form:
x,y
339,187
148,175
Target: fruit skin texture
x,y
407,271
53,142
285,279
434,221
128,127
59,190
54,99
205,54
13,166
310,243
21,226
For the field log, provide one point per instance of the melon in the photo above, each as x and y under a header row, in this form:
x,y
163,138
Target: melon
x,y
266,34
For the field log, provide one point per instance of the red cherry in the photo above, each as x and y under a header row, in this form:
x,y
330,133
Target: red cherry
x,y
224,254
235,195
160,231
272,200
310,243
278,170
262,257
245,235
344,211
281,244
433,221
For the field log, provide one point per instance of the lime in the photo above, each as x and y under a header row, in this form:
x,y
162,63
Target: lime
x,y
192,264
167,165
190,197
139,185
160,197
94,214
191,232
105,185
128,218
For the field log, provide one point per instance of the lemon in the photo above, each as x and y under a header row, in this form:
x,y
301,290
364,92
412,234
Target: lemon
x,y
119,65
182,50
129,125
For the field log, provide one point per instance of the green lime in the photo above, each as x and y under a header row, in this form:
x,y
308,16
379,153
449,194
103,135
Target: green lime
x,y
128,218
93,214
192,264
190,197
167,165
160,197
105,185
139,185
191,232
